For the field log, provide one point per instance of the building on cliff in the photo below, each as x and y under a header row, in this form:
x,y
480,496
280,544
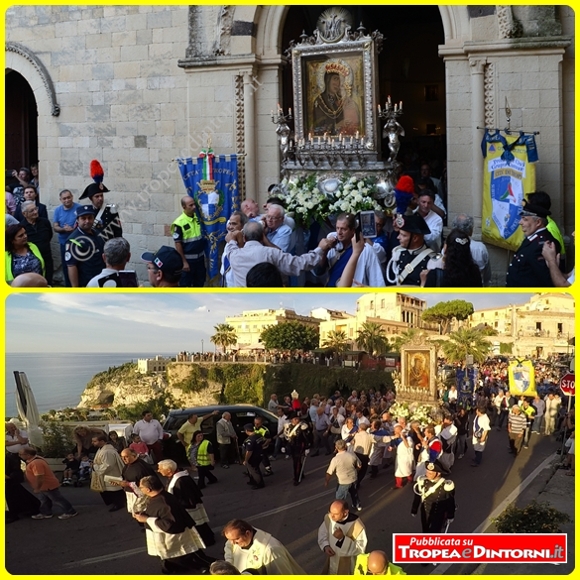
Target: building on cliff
x,y
152,365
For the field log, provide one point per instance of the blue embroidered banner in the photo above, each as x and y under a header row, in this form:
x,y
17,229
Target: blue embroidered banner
x,y
212,181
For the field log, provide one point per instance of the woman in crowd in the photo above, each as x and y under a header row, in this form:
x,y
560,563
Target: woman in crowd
x,y
21,256
119,443
459,270
83,436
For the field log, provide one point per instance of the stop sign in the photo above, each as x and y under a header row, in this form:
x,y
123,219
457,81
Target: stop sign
x,y
567,384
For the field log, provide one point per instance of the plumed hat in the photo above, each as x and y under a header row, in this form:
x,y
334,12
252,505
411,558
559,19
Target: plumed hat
x,y
97,186
404,191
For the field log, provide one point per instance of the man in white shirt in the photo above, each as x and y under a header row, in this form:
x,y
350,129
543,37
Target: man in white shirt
x,y
151,433
116,254
250,247
426,201
15,438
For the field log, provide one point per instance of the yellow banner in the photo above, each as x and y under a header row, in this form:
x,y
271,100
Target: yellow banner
x,y
504,185
522,379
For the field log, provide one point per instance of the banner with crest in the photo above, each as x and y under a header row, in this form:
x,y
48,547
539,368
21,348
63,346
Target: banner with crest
x,y
509,173
212,181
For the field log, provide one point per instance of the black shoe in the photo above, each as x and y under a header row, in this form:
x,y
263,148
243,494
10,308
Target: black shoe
x,y
115,508
296,483
258,486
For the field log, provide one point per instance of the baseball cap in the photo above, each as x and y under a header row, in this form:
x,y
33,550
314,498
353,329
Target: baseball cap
x,y
166,259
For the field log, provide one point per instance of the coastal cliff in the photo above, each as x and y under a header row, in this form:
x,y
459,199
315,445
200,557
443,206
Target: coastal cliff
x,y
198,384
125,386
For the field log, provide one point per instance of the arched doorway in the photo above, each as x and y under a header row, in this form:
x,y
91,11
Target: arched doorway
x,y
410,70
21,118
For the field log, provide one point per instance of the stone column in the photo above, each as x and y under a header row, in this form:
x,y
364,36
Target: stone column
x,y
250,135
477,120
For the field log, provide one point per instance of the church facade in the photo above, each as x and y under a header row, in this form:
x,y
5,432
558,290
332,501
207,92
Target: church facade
x,y
139,86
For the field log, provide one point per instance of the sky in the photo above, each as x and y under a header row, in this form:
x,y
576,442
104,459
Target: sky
x,y
165,322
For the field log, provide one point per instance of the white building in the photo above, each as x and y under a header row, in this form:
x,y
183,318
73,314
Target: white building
x,y
152,365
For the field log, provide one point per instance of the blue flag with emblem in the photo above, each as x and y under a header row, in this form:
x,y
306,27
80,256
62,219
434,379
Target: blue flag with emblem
x,y
212,181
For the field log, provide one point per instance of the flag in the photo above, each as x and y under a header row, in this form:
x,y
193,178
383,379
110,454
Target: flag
x,y
507,176
465,387
521,377
212,181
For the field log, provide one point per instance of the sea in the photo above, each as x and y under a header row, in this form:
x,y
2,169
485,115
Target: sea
x,y
58,379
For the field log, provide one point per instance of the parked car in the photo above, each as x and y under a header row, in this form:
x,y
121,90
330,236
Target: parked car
x,y
241,415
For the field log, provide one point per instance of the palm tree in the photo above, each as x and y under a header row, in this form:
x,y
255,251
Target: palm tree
x,y
371,337
224,336
405,338
337,341
465,342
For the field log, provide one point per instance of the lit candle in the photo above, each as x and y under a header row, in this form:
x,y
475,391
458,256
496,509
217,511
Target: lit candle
x,y
357,134
290,111
310,137
379,107
395,107
389,99
351,141
362,140
400,105
343,141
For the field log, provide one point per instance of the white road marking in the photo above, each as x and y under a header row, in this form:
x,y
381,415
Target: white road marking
x,y
117,555
442,568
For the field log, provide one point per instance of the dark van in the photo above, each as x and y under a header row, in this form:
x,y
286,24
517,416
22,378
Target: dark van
x,y
241,415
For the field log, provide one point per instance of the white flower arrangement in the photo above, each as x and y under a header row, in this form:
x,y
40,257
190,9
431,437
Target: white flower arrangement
x,y
413,412
306,201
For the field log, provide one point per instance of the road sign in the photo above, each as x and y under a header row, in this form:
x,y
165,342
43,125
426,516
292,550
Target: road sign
x,y
567,384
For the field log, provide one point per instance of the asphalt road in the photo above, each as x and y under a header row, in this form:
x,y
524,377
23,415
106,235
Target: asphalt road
x,y
99,542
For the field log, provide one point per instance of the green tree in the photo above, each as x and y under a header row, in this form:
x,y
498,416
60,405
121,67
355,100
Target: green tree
x,y
443,313
372,338
160,405
290,336
464,342
337,341
405,338
224,336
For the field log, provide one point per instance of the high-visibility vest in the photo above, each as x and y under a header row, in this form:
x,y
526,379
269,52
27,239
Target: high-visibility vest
x,y
34,250
203,458
361,567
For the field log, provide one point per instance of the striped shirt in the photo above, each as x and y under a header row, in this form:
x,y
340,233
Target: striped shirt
x,y
517,423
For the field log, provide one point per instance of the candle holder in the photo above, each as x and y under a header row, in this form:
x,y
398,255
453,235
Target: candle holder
x,y
392,129
285,134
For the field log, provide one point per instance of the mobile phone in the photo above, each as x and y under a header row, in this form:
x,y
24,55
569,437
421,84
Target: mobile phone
x,y
367,224
128,279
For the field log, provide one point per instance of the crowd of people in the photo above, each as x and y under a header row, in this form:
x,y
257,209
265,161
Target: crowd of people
x,y
265,247
361,433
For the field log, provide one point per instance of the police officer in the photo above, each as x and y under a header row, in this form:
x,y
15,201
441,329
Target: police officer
x,y
412,255
435,495
83,252
528,267
107,223
264,438
253,457
190,244
299,438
